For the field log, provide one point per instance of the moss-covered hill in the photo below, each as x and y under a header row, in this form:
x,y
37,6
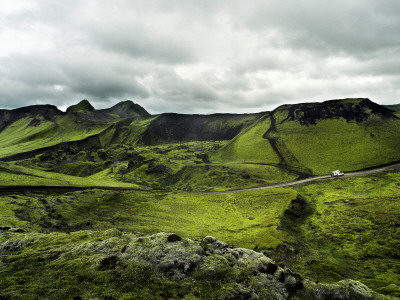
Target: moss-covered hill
x,y
36,127
115,265
315,138
42,126
202,152
308,138
327,231
76,188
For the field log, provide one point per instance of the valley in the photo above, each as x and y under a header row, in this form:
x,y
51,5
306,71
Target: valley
x,y
79,190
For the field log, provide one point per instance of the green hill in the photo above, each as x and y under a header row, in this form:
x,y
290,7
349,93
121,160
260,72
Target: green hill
x,y
84,195
250,149
316,138
40,126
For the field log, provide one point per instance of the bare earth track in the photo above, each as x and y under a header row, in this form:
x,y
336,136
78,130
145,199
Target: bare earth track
x,y
64,189
317,178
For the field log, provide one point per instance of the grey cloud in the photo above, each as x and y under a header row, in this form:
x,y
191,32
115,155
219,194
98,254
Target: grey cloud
x,y
137,42
199,56
357,26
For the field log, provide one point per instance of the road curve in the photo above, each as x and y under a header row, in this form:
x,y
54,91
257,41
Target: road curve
x,y
315,178
63,189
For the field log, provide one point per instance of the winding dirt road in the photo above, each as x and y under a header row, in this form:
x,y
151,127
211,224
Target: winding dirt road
x,y
64,189
316,178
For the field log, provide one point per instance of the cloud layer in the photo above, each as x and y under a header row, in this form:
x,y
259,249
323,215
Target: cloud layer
x,y
198,56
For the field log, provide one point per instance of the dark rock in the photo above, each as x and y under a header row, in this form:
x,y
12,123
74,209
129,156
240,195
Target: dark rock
x,y
203,157
270,268
35,122
245,175
108,263
17,230
173,238
282,277
177,128
124,249
156,168
5,228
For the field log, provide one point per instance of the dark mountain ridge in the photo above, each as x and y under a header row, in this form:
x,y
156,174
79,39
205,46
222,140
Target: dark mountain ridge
x,y
125,109
395,107
358,109
171,127
83,106
47,112
83,110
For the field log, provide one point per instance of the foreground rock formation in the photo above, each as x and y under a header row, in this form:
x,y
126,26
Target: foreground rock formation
x,y
116,265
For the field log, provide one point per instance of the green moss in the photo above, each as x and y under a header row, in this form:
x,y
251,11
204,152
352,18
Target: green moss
x,y
15,175
352,232
247,219
338,144
20,137
249,146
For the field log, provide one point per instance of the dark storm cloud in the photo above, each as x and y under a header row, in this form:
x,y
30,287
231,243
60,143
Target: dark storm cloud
x,y
198,56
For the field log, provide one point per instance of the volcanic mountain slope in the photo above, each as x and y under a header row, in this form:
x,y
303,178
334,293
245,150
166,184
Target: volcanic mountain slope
x,y
316,138
395,107
125,109
34,127
308,138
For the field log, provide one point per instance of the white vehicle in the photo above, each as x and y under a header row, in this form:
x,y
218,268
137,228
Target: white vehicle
x,y
337,173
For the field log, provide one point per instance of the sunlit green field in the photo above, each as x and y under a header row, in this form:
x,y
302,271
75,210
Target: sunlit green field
x,y
249,146
329,230
338,144
353,231
22,137
246,219
13,175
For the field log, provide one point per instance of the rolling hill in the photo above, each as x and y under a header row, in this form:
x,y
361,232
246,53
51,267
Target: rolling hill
x,y
315,138
89,200
301,139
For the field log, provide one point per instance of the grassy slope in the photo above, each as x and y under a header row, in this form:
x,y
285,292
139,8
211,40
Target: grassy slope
x,y
247,219
249,146
329,145
128,134
20,137
220,177
14,175
183,168
338,144
352,232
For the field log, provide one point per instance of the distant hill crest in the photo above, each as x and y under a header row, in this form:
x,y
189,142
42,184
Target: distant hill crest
x,y
83,106
351,109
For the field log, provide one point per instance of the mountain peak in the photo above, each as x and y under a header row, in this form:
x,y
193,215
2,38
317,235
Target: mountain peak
x,y
83,106
127,109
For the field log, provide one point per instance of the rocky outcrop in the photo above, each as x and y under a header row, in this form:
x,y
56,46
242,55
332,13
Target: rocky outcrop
x,y
173,128
357,110
163,266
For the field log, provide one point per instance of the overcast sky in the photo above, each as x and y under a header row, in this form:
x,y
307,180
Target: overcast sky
x,y
200,56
